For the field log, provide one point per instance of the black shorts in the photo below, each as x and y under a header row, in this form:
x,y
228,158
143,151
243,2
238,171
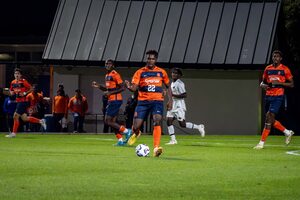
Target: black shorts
x,y
22,107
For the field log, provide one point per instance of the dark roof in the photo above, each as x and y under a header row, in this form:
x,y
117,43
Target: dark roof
x,y
190,32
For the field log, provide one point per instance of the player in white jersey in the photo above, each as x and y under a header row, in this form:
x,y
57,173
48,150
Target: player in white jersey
x,y
179,107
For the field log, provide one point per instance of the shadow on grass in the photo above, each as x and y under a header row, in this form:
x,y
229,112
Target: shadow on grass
x,y
178,159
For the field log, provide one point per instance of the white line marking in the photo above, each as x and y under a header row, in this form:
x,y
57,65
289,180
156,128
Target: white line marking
x,y
99,139
294,153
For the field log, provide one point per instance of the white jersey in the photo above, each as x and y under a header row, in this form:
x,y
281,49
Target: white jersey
x,y
178,87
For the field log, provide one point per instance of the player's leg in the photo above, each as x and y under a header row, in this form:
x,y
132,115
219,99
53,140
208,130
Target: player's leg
x,y
288,133
34,120
112,120
75,123
270,118
181,119
171,131
112,112
141,112
20,110
157,111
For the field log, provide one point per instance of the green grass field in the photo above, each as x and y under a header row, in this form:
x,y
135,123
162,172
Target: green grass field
x,y
87,167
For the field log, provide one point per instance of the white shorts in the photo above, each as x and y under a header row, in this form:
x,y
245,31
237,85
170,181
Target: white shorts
x,y
177,113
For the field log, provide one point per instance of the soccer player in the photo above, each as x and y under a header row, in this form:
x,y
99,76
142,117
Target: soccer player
x,y
112,89
149,82
179,107
275,78
36,100
20,87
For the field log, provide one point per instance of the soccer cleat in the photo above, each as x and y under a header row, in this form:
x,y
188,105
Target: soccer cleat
x,y
43,124
172,142
288,137
201,130
11,135
127,135
120,143
259,146
133,138
157,151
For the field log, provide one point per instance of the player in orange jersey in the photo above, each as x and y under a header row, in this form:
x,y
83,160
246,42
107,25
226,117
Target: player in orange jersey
x,y
36,102
112,89
149,81
275,78
20,87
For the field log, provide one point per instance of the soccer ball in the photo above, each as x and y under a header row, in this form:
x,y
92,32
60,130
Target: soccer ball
x,y
142,150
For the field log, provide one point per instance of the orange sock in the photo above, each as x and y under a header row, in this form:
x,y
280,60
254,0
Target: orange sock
x,y
265,134
122,129
156,136
33,120
118,135
278,126
16,126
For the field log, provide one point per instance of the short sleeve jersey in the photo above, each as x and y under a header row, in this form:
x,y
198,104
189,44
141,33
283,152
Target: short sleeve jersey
x,y
150,83
19,87
34,100
280,73
177,88
112,80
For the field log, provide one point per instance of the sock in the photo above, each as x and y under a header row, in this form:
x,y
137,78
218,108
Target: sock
x,y
279,126
191,125
171,132
123,129
156,136
119,136
16,125
265,134
33,120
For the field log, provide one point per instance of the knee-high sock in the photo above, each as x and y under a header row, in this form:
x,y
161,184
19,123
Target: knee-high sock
x,y
119,136
33,120
265,134
16,125
278,126
156,136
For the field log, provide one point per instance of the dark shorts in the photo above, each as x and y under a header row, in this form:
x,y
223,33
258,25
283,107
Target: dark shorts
x,y
273,103
22,107
113,108
143,108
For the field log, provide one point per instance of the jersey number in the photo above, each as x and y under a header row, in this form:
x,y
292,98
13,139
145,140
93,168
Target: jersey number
x,y
151,88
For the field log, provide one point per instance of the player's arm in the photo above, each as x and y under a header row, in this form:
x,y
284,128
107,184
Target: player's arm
x,y
180,96
97,85
131,86
8,92
170,100
289,83
120,88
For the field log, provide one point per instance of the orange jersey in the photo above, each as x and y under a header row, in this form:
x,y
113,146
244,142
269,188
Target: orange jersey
x,y
112,80
60,104
281,74
34,100
78,105
19,87
150,82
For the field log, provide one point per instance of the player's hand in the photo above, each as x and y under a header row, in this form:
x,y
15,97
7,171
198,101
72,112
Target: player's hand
x,y
95,84
264,86
127,84
169,105
106,93
275,83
